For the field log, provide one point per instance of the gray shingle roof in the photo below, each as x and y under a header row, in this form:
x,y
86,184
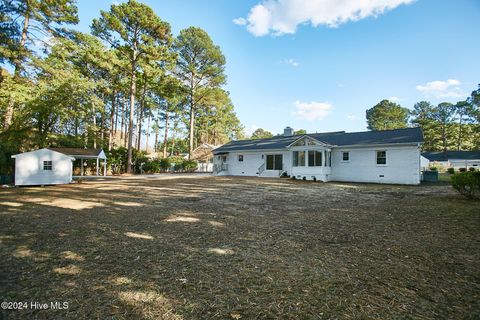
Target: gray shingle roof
x,y
77,151
339,138
450,155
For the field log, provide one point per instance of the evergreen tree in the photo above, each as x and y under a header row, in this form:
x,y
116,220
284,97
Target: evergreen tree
x,y
387,115
200,66
139,35
39,19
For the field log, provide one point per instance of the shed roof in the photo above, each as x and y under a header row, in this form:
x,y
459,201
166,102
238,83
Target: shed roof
x,y
339,138
43,150
451,155
77,152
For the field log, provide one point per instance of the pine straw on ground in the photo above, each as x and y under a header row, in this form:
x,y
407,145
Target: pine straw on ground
x,y
240,248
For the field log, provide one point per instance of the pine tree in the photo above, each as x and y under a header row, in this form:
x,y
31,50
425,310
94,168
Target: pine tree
x,y
139,35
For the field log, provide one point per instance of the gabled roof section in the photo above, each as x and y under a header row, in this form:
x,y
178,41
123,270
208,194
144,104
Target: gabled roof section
x,y
451,155
339,138
309,137
77,152
42,150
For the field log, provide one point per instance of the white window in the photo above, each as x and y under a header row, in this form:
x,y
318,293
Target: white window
x,y
382,158
314,158
240,158
47,165
299,158
345,156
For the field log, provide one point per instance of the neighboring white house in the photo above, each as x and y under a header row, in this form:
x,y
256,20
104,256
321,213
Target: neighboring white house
x,y
204,157
453,159
391,156
42,167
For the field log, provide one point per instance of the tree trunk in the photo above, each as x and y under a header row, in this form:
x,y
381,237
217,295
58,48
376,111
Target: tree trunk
x,y
116,123
102,128
11,101
165,139
122,123
192,123
147,133
175,124
125,129
133,91
112,115
94,121
140,118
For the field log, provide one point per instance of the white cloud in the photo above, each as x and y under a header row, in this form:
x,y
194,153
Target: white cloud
x,y
240,21
312,110
279,17
394,99
442,89
291,62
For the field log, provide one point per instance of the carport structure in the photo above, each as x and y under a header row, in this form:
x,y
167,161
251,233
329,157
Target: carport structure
x,y
86,154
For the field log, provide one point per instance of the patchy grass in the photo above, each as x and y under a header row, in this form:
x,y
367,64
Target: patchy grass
x,y
240,248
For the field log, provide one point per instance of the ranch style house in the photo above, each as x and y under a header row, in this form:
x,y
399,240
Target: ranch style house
x,y
390,156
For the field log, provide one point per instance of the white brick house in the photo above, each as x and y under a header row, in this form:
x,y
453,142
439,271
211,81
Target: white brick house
x,y
391,156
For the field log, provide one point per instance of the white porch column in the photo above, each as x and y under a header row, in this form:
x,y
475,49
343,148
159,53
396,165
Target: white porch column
x,y
81,166
97,167
104,167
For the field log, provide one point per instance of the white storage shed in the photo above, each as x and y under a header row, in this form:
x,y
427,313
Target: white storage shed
x,y
42,167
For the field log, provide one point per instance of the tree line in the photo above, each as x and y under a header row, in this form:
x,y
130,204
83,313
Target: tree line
x,y
128,79
446,126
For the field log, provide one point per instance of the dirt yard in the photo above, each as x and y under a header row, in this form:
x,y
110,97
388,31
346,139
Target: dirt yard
x,y
239,248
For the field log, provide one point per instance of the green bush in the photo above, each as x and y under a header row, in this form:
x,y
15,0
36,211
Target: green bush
x,y
178,166
152,166
165,164
117,160
451,170
433,168
471,169
462,169
467,183
190,165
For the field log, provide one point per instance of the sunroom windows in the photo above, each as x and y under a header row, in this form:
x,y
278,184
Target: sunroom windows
x,y
314,158
299,158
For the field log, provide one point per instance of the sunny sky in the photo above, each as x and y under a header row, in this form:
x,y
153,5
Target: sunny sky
x,y
318,65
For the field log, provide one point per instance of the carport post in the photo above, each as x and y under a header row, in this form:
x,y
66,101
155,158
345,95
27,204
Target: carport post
x,y
104,167
97,167
81,166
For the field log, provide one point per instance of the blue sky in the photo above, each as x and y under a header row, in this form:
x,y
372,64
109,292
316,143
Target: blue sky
x,y
318,65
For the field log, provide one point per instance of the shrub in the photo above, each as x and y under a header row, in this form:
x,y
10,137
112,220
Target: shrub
x,y
433,168
462,169
178,167
190,165
151,166
471,169
451,170
165,164
467,183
